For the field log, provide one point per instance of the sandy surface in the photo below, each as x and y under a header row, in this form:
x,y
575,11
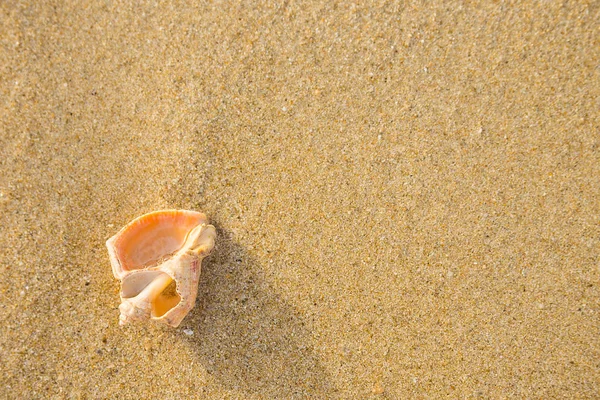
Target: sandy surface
x,y
407,197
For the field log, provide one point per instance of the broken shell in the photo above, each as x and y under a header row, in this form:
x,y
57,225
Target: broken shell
x,y
157,258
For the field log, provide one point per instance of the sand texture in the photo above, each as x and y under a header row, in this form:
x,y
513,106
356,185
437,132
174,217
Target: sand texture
x,y
407,197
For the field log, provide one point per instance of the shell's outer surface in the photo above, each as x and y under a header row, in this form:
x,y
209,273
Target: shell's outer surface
x,y
157,257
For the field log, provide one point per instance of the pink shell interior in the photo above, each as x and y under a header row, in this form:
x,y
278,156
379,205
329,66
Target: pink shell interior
x,y
152,237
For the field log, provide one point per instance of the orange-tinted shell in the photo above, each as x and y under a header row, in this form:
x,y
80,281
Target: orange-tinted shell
x,y
152,252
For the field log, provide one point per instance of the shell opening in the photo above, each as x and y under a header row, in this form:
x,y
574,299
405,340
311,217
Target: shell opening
x,y
166,300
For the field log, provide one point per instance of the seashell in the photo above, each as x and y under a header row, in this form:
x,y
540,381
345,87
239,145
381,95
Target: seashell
x,y
157,258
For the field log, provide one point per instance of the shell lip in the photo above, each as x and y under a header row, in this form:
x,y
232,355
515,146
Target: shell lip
x,y
117,269
119,266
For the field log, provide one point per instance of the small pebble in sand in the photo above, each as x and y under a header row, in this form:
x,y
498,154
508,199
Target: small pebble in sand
x,y
378,388
188,332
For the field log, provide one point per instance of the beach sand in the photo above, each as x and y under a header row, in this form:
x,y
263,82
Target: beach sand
x,y
407,197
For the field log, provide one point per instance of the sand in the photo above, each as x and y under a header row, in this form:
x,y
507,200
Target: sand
x,y
407,197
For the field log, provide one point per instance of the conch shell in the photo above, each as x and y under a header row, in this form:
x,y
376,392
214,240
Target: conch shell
x,y
157,258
